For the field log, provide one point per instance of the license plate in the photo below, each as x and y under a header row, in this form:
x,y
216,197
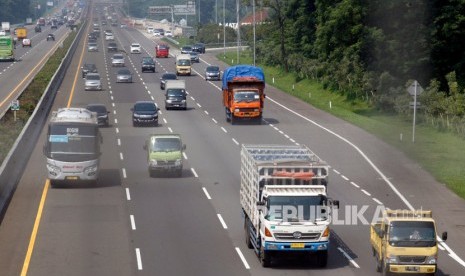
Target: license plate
x,y
412,268
72,178
297,245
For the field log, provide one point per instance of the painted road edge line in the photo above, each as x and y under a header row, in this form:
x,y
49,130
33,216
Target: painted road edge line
x,y
348,257
206,193
222,221
244,261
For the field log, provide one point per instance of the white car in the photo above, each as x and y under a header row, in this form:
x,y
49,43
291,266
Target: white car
x,y
2,32
135,48
26,42
168,34
149,30
117,60
156,33
109,37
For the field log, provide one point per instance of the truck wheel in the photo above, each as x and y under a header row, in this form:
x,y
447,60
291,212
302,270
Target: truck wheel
x,y
248,242
233,120
379,265
265,259
259,120
385,271
322,258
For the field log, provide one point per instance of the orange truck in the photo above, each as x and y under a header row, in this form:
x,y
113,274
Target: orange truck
x,y
243,93
21,33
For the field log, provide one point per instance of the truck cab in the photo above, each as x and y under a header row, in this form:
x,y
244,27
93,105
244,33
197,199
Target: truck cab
x,y
175,94
164,154
405,241
183,65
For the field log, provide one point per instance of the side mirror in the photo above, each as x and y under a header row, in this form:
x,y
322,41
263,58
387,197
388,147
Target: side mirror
x,y
444,236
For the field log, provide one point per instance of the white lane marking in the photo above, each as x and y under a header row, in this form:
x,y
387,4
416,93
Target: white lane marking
x,y
113,104
139,260
353,183
365,192
222,221
164,120
124,173
244,261
345,177
116,121
111,97
235,141
377,201
170,129
199,105
206,193
184,155
206,112
213,119
121,156
160,112
281,132
114,112
441,247
222,128
453,255
153,99
150,93
133,222
128,194
336,171
119,142
194,172
287,136
348,257
193,98
117,130
111,92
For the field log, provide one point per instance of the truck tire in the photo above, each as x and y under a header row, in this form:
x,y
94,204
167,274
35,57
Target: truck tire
x,y
233,120
258,120
385,270
265,259
379,265
248,242
322,258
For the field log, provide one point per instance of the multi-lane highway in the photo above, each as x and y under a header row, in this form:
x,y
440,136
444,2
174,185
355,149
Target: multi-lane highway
x,y
131,224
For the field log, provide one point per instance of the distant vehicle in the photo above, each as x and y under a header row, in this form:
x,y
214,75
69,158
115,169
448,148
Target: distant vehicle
x,y
186,49
145,112
109,37
175,94
124,75
148,64
212,73
117,60
135,48
194,57
72,146
165,77
93,82
6,27
54,25
92,47
21,33
162,50
183,65
26,42
168,34
164,153
102,113
88,68
37,29
123,26
7,48
150,30
108,32
41,21
104,23
51,37
199,48
112,47
160,31
156,33
2,32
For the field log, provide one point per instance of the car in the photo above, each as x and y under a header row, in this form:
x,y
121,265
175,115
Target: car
x,y
212,73
165,77
95,24
124,75
162,50
26,42
109,37
2,32
148,64
145,112
92,35
104,23
51,37
186,49
199,48
88,68
135,48
194,57
37,29
92,47
150,30
156,33
112,47
160,31
93,82
123,26
168,34
117,60
102,113
108,32
54,26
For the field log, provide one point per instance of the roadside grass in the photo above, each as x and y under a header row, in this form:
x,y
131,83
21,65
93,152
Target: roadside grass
x,y
440,153
9,128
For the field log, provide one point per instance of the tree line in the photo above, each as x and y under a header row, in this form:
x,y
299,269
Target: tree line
x,y
16,11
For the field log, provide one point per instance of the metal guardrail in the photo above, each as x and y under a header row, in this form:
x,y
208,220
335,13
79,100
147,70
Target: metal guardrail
x,y
15,162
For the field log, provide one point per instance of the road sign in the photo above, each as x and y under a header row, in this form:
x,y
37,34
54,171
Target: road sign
x,y
415,86
159,9
412,104
188,9
14,105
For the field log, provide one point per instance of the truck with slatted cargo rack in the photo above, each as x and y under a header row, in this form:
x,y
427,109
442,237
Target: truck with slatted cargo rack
x,y
283,195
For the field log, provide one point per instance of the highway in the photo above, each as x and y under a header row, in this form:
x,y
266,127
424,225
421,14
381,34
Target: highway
x,y
131,224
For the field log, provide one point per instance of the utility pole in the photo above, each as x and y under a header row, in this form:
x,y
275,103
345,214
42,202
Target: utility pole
x,y
253,11
216,12
199,12
224,31
238,31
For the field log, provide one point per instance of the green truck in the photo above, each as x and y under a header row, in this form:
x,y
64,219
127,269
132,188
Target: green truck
x,y
7,48
164,154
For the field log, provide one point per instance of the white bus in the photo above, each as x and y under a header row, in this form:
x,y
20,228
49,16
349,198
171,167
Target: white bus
x,y
72,148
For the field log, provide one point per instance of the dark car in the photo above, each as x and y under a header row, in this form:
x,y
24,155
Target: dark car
x,y
186,49
104,23
148,64
102,113
199,48
165,77
54,26
175,98
144,112
212,73
112,47
124,75
37,29
88,68
51,37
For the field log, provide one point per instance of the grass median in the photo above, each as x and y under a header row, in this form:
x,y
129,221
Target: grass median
x,y
440,153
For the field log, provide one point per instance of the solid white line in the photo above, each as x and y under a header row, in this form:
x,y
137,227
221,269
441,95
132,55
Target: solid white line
x,y
194,172
365,192
224,129
377,201
139,260
121,156
348,258
276,128
185,156
222,221
206,193
206,112
164,120
128,194
353,183
336,171
244,261
170,129
235,141
124,173
119,142
213,119
133,222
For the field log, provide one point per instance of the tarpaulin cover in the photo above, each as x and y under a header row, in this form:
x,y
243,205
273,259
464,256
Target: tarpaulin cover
x,y
242,71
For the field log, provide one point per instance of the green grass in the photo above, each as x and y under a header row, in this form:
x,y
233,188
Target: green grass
x,y
440,153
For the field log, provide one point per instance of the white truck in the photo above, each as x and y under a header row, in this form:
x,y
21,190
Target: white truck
x,y
6,27
284,202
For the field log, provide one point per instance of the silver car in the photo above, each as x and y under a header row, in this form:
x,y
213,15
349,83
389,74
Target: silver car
x,y
117,60
124,75
93,82
194,56
212,73
92,47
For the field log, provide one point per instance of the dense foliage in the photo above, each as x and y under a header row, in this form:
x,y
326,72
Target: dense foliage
x,y
16,11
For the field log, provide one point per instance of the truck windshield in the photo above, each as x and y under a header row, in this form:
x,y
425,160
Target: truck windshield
x,y
73,143
184,62
296,208
246,96
175,93
166,144
412,233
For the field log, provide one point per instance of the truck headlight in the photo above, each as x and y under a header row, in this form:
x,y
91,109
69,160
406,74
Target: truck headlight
x,y
392,259
153,162
431,259
256,110
177,162
236,110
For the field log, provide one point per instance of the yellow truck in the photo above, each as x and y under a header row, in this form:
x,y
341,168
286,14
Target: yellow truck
x,y
405,242
21,33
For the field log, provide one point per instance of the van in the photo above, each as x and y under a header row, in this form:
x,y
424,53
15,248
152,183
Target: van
x,y
183,65
164,154
175,94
